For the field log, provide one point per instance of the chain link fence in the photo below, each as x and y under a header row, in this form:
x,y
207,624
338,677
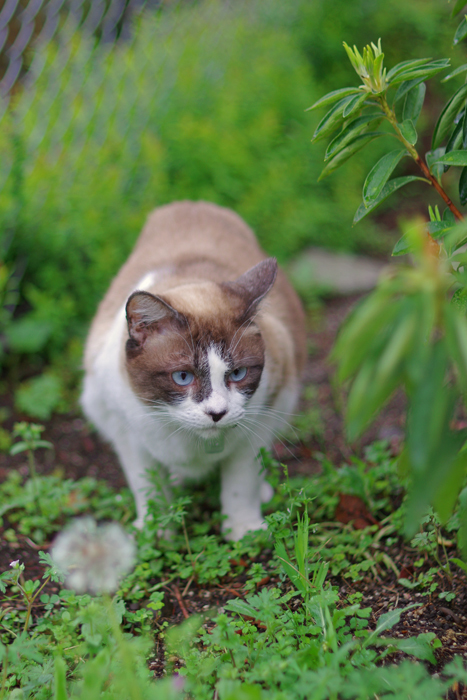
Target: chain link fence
x,y
26,25
110,108
65,80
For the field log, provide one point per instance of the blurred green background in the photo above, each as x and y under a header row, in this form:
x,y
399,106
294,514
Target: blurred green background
x,y
205,100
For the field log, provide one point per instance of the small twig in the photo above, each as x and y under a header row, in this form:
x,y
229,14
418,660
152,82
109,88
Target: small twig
x,y
425,170
31,602
179,598
187,587
231,590
452,614
35,546
414,154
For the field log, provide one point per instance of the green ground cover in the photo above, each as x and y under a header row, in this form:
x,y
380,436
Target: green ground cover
x,y
289,631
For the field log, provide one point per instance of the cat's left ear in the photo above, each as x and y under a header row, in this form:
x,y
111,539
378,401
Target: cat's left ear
x,y
254,284
145,312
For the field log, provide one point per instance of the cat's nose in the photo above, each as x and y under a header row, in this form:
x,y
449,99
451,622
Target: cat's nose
x,y
216,416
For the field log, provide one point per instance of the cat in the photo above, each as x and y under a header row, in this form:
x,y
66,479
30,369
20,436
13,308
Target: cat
x,y
194,357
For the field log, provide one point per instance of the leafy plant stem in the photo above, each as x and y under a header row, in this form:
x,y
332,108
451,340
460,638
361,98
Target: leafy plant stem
x,y
31,600
4,675
391,117
33,473
126,658
187,542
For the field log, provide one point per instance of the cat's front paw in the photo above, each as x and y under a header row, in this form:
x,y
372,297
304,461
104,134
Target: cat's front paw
x,y
234,530
138,523
267,492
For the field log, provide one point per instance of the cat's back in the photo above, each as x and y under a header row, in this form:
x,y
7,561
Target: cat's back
x,y
186,242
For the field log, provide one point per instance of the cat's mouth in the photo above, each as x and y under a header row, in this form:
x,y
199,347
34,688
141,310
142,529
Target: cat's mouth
x,y
210,433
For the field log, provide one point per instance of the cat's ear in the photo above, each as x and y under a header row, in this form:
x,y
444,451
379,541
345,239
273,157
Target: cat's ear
x,y
254,284
144,312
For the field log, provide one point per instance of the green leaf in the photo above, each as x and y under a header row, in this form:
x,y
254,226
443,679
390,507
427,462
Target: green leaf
x,y
437,229
452,482
18,447
386,622
456,333
330,121
387,190
379,175
354,104
39,396
458,71
428,410
60,680
462,533
455,140
408,131
334,96
421,647
456,237
449,216
458,158
357,335
380,375
241,607
462,565
28,335
402,247
352,129
431,158
447,117
343,155
458,5
424,72
292,572
434,213
461,32
406,65
463,187
414,102
406,87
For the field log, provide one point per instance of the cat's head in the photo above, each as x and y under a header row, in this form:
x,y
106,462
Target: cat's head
x,y
196,351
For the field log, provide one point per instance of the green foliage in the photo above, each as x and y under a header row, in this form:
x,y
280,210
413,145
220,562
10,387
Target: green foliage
x,y
39,396
204,102
268,642
408,332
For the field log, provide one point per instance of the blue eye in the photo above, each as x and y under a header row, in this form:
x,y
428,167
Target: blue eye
x,y
183,378
238,374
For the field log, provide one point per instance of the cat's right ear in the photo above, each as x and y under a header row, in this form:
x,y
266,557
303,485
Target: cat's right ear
x,y
145,312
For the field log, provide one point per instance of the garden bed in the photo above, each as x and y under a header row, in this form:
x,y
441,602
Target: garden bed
x,y
368,557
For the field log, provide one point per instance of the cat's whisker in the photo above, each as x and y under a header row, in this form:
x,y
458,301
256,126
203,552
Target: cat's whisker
x,y
270,409
191,336
285,424
186,341
250,321
275,430
275,435
245,431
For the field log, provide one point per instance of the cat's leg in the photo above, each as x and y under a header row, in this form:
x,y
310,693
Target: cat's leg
x,y
135,461
242,492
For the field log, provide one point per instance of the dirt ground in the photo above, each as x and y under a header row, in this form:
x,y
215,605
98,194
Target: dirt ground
x,y
81,453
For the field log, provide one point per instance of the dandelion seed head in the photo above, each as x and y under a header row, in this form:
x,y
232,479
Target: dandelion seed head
x,y
93,557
